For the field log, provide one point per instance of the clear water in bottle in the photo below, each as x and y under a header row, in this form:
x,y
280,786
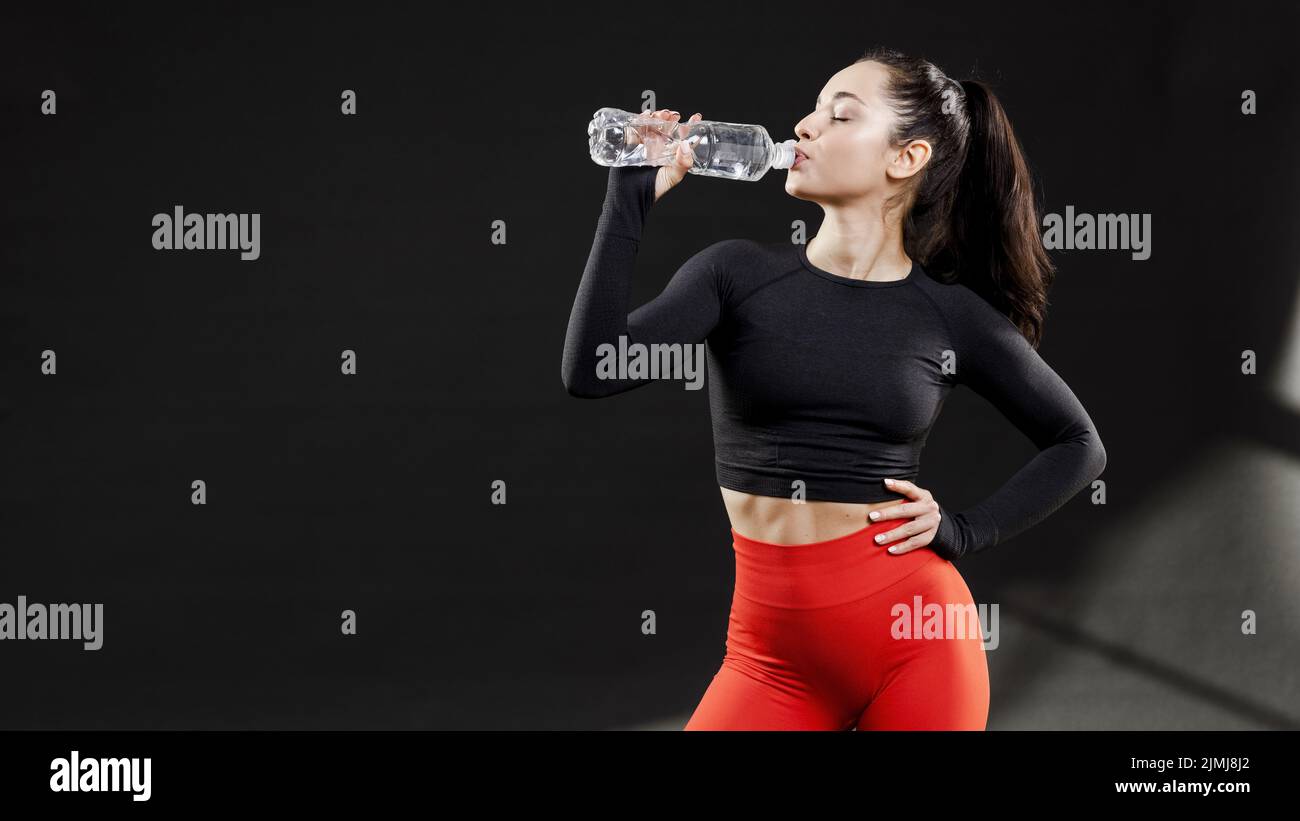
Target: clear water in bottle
x,y
735,151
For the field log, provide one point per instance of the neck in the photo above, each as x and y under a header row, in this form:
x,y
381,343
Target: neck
x,y
857,242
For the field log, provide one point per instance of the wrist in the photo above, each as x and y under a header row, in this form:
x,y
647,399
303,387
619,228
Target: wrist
x,y
948,539
629,194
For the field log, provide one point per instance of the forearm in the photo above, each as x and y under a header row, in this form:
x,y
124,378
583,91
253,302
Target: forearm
x,y
1042,486
601,307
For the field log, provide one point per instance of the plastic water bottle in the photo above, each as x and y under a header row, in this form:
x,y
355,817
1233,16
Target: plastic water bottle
x,y
732,150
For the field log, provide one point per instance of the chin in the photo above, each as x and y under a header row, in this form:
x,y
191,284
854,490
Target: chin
x,y
796,188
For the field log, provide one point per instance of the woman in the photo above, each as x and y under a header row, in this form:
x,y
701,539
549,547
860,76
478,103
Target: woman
x,y
828,365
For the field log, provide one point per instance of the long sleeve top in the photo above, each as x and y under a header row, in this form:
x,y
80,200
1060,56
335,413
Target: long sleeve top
x,y
824,379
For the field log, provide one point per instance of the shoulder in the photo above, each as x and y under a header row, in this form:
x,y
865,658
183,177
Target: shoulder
x,y
729,258
951,297
966,312
735,248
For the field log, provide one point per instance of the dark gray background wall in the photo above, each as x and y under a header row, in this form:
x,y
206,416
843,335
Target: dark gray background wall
x,y
372,492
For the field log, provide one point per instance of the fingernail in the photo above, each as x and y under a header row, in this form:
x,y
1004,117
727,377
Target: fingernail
x,y
893,550
880,539
873,514
889,481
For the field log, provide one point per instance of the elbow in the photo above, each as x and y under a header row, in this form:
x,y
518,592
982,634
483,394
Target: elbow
x,y
578,372
578,391
577,386
1096,455
573,387
582,376
1087,452
590,388
569,374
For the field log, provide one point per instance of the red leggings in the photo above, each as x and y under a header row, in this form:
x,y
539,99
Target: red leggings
x,y
816,641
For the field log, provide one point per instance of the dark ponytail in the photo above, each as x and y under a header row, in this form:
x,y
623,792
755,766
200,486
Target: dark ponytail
x,y
971,213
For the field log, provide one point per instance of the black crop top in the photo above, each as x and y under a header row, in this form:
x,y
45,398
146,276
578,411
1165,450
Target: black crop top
x,y
831,380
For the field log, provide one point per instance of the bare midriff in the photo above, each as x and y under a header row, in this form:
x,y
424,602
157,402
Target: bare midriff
x,y
781,520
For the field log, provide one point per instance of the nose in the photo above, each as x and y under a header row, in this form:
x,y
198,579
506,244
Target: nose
x,y
802,131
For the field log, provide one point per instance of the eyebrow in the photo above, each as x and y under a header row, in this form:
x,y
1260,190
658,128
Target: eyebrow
x,y
837,95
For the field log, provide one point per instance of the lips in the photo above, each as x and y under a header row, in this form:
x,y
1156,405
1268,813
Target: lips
x,y
799,156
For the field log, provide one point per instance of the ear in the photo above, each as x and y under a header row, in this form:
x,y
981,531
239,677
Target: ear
x,y
910,159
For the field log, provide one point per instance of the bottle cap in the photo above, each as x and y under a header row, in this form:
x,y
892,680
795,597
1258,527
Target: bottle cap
x,y
784,157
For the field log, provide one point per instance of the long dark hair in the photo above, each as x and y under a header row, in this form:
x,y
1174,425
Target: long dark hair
x,y
971,216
